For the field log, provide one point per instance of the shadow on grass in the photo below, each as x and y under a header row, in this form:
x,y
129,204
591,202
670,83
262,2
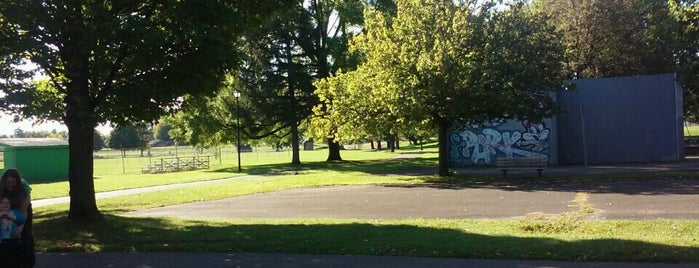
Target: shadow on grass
x,y
409,166
121,234
425,168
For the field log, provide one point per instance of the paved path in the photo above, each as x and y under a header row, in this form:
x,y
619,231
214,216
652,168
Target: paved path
x,y
187,260
101,195
611,199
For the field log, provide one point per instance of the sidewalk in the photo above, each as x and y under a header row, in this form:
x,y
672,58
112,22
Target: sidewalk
x,y
611,199
101,195
186,260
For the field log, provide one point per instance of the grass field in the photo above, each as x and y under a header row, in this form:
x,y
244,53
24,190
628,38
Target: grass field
x,y
691,130
569,236
111,162
113,172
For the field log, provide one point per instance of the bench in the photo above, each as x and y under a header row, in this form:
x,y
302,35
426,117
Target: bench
x,y
505,163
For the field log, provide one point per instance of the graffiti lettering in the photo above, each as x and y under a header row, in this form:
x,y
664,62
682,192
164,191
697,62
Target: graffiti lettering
x,y
481,148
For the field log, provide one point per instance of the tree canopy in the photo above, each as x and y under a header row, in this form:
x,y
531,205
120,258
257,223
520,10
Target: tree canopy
x,y
126,137
161,132
630,37
440,62
608,38
115,61
686,51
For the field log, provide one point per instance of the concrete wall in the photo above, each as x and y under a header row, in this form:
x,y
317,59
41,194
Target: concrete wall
x,y
621,120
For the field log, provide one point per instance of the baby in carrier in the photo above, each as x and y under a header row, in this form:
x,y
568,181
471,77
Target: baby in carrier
x,y
11,245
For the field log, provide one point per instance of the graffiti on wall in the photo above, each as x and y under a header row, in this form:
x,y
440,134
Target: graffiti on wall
x,y
481,146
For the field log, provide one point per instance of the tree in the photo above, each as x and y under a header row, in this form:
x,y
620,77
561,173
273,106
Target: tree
x,y
162,132
282,58
97,141
62,135
276,81
630,37
19,133
614,38
145,134
603,38
45,134
127,137
353,108
443,62
686,14
117,61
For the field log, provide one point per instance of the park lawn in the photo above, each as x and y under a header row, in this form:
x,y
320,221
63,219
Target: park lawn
x,y
631,241
109,175
691,130
569,237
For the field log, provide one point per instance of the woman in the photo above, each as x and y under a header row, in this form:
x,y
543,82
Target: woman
x,y
18,191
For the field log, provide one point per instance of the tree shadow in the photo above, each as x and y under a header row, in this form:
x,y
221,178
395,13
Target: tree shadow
x,y
411,166
424,168
629,186
124,234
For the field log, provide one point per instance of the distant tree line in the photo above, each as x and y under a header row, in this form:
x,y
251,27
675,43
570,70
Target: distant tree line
x,y
126,137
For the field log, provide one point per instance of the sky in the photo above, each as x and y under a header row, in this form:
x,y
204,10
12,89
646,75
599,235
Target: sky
x,y
7,127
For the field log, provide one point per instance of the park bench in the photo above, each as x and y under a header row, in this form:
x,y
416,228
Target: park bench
x,y
507,163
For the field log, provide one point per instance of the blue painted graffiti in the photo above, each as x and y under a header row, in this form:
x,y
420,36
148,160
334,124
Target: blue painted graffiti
x,y
481,146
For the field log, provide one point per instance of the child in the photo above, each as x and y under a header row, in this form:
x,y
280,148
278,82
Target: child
x,y
11,246
10,219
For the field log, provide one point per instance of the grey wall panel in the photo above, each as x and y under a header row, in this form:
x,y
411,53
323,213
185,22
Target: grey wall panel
x,y
620,119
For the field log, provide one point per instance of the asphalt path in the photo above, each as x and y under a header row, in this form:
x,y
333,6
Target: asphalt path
x,y
610,199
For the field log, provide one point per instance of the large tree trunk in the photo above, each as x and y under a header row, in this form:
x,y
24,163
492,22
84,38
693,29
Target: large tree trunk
x,y
83,205
79,116
295,158
333,150
396,139
443,150
292,95
391,143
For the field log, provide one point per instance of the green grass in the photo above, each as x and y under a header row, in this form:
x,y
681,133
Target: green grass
x,y
108,175
110,162
691,130
569,236
636,241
